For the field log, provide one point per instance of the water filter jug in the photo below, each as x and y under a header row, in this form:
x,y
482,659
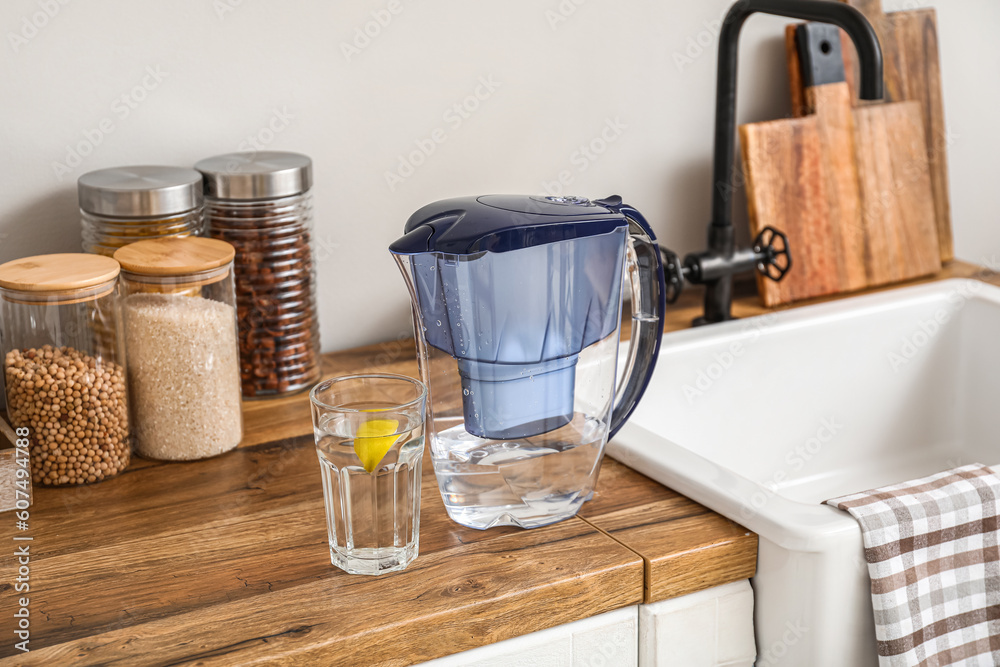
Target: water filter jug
x,y
517,304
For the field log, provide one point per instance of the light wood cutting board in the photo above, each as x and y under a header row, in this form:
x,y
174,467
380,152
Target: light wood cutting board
x,y
802,179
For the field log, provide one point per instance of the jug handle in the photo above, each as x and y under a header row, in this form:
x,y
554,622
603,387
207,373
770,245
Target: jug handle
x,y
645,273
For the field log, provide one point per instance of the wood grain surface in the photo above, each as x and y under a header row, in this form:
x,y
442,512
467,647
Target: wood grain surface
x,y
838,151
174,255
912,72
58,273
802,179
898,222
900,233
225,561
876,193
669,530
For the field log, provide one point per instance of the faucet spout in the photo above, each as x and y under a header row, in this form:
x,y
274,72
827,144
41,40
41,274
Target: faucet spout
x,y
845,16
718,294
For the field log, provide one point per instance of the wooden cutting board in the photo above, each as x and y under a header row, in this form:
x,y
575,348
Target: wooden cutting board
x,y
899,217
897,203
802,179
912,73
848,186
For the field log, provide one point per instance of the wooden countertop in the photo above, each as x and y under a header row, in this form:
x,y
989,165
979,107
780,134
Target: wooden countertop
x,y
225,561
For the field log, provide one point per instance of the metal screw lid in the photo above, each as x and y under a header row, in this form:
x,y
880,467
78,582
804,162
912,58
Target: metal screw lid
x,y
256,175
141,191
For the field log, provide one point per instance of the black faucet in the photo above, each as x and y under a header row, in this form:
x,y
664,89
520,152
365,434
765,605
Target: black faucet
x,y
715,267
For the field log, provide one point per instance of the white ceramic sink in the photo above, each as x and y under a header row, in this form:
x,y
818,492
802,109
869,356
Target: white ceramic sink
x,y
765,418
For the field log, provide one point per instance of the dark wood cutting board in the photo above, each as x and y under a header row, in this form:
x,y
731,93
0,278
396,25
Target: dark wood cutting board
x,y
895,179
897,203
911,59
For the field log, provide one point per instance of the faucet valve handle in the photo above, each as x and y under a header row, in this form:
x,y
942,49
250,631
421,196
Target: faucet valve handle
x,y
769,255
673,274
773,256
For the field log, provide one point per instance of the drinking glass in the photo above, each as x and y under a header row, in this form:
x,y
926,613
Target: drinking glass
x,y
369,432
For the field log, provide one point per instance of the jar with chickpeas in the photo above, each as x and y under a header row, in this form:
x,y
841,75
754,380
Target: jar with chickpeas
x,y
63,365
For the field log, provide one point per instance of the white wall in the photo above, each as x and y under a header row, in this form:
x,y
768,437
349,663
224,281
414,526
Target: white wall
x,y
230,68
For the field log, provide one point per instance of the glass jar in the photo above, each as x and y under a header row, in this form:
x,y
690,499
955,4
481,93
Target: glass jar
x,y
260,202
179,310
63,364
126,204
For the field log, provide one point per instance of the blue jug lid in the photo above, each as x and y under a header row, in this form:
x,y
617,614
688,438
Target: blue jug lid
x,y
499,223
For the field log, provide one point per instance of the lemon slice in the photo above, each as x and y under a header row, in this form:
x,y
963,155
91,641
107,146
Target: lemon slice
x,y
373,440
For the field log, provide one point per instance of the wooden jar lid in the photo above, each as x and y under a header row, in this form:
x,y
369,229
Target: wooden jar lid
x,y
174,256
58,273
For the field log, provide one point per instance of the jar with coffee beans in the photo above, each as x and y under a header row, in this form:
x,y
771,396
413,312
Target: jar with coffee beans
x,y
63,365
260,202
122,205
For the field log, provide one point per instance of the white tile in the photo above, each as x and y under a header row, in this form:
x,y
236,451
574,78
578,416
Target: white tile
x,y
735,644
687,637
606,640
524,651
711,628
613,644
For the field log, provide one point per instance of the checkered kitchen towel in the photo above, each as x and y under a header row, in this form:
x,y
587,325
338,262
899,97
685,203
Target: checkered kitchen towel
x,y
934,560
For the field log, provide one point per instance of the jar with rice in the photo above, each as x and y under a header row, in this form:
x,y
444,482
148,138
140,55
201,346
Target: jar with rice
x,y
179,311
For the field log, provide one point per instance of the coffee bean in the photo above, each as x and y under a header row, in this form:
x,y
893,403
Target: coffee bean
x,y
275,290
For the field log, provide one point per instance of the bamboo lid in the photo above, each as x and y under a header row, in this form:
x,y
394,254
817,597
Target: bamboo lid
x,y
174,256
58,273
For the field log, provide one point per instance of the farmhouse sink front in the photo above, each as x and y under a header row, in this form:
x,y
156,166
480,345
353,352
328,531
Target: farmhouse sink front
x,y
763,419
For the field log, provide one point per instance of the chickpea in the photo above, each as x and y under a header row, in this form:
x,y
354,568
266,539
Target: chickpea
x,y
74,405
